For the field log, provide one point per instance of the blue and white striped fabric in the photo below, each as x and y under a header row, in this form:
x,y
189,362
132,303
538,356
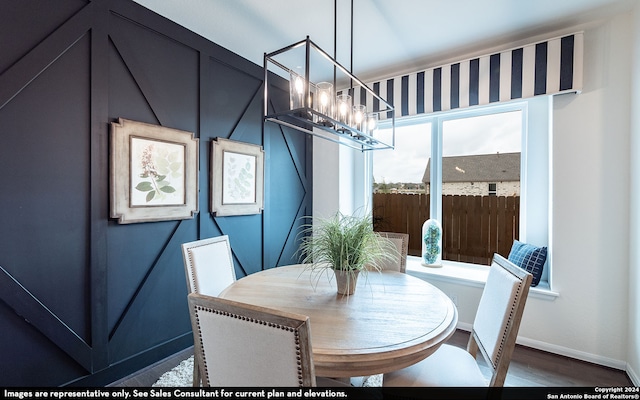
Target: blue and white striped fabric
x,y
549,67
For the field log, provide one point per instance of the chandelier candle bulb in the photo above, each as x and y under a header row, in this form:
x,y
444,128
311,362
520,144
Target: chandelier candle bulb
x,y
296,91
325,102
344,109
297,96
359,117
322,107
372,123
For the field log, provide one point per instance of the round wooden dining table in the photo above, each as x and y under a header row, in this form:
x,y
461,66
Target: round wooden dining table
x,y
393,320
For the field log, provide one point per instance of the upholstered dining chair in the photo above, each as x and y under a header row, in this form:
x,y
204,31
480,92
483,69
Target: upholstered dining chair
x,y
494,333
401,242
246,345
209,270
208,265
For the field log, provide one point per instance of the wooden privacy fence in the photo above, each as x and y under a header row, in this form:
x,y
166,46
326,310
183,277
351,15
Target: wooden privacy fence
x,y
474,227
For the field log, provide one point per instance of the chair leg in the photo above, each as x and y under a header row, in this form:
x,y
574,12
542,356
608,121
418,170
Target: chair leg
x,y
196,374
472,345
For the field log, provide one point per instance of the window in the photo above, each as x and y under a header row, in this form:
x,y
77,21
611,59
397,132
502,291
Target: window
x,y
480,147
394,170
498,152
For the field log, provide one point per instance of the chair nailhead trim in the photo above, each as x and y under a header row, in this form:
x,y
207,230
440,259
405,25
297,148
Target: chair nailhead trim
x,y
192,266
509,320
254,320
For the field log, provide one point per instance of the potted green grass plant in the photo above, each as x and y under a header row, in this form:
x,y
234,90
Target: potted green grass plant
x,y
345,244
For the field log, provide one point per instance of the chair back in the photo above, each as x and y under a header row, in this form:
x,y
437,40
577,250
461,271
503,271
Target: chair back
x,y
238,344
208,265
497,320
401,242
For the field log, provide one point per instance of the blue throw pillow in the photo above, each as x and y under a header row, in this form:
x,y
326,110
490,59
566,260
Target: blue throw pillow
x,y
529,258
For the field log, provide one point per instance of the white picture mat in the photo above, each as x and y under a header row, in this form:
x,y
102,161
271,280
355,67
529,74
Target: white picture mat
x,y
239,178
159,166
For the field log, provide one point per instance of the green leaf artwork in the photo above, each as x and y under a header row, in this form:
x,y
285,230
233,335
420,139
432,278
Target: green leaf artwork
x,y
161,166
239,178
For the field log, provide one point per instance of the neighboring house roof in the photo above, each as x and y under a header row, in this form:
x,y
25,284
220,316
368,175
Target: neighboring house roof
x,y
500,167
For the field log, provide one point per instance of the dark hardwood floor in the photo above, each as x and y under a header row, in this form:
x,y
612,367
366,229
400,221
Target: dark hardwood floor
x,y
529,367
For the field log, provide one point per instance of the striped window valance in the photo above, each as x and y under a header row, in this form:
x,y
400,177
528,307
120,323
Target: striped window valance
x,y
549,67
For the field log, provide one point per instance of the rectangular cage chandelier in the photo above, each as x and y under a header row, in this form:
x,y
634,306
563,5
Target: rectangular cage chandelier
x,y
321,99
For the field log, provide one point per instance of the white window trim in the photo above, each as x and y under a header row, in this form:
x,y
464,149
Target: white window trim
x,y
465,273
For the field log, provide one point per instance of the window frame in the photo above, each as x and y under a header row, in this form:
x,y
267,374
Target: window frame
x,y
493,187
538,230
437,128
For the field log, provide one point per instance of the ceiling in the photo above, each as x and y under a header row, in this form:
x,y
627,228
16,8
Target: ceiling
x,y
389,37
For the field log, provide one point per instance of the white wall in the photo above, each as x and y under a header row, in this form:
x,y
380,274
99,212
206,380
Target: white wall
x,y
338,179
326,172
591,319
590,203
634,237
590,212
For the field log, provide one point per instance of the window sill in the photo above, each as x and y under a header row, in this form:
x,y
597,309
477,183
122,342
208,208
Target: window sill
x,y
468,275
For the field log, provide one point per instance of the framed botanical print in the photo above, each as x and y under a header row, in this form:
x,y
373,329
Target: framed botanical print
x,y
237,178
153,172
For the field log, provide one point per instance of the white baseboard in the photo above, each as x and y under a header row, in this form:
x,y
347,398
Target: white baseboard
x,y
567,352
464,326
577,354
635,378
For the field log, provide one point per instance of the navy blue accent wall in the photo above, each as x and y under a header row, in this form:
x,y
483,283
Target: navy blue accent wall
x,y
85,301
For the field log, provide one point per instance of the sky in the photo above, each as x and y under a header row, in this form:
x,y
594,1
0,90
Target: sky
x,y
486,134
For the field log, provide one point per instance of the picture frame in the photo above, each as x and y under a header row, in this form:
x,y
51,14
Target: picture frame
x,y
153,172
237,178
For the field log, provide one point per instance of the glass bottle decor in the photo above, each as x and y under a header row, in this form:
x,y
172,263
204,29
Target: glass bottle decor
x,y
431,243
